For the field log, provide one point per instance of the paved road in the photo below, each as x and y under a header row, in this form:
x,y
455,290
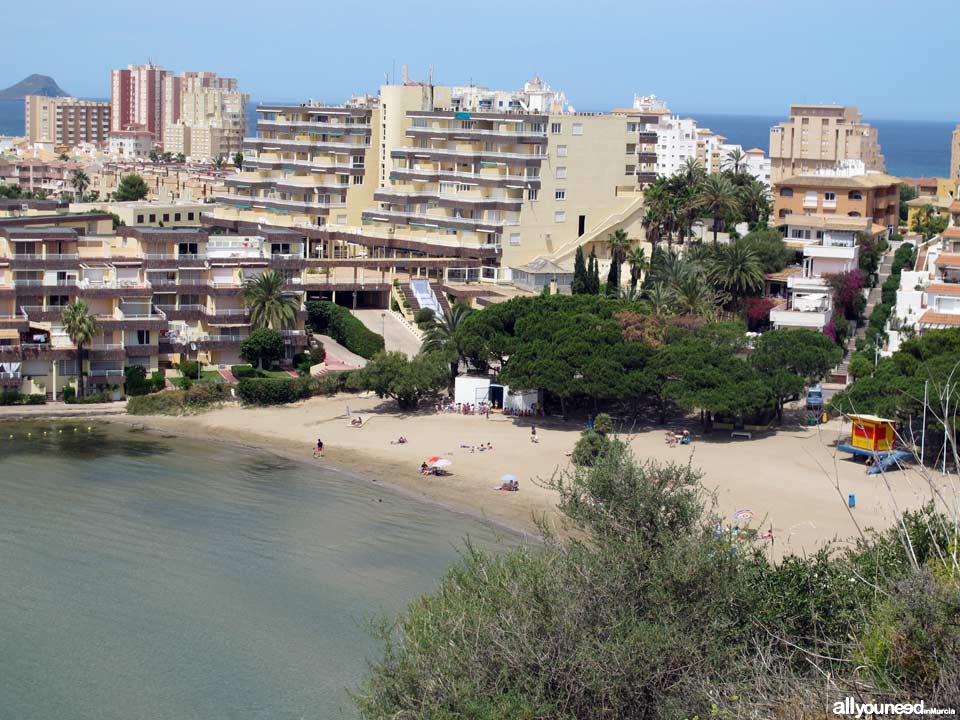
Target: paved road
x,y
336,351
396,335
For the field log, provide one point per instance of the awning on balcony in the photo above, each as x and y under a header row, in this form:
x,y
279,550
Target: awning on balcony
x,y
9,334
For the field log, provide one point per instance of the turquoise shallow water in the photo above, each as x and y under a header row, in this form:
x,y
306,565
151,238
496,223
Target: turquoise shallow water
x,y
143,577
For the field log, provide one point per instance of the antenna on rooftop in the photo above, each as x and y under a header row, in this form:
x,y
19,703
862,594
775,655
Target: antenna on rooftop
x,y
404,78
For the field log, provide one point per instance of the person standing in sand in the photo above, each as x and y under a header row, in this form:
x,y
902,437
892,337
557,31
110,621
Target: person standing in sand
x,y
533,434
318,451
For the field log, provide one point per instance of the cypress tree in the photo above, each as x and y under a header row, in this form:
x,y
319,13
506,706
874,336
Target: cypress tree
x,y
594,272
613,278
580,281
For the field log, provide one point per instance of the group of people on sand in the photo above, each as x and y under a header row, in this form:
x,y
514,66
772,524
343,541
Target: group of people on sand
x,y
431,470
673,439
356,422
478,448
508,486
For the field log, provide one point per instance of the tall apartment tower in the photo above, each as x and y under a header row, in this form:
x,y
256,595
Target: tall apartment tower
x,y
819,137
136,98
204,115
954,173
65,120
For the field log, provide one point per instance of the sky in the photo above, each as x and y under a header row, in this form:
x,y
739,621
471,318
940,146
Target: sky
x,y
893,59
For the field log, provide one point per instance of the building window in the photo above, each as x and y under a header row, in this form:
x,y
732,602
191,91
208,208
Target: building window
x,y
143,337
830,197
153,218
358,179
560,216
786,192
358,161
561,150
560,195
555,128
578,128
532,193
561,173
166,217
189,216
514,238
856,195
139,219
176,217
419,122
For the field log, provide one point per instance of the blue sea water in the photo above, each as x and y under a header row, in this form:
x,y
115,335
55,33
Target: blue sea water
x,y
913,148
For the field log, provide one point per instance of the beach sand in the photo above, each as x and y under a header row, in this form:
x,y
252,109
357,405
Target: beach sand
x,y
793,480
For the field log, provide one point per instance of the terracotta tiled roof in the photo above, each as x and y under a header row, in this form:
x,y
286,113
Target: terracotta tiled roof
x,y
955,206
949,260
935,319
951,232
943,288
783,274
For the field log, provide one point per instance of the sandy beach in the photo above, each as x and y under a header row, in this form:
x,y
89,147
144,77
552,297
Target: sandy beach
x,y
794,480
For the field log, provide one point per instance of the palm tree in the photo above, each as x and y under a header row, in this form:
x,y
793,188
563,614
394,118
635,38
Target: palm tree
x,y
693,296
719,196
238,160
81,327
80,181
736,269
219,161
619,243
659,299
442,335
637,259
755,202
269,307
692,172
652,225
735,160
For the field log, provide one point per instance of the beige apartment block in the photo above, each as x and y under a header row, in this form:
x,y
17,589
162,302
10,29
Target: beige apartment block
x,y
203,116
409,172
875,196
65,121
820,137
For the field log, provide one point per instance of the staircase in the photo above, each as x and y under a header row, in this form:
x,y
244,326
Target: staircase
x,y
441,297
599,231
873,298
410,298
426,298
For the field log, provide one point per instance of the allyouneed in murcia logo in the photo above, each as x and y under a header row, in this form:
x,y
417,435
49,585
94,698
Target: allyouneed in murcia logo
x,y
851,707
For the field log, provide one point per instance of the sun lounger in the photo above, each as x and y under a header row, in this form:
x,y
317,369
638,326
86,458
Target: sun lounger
x,y
741,434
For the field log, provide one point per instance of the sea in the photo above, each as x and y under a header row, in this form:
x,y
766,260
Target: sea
x,y
913,148
153,577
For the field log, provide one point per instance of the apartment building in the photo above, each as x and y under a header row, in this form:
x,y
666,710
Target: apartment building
x,y
819,137
33,175
131,143
204,115
160,295
65,122
827,245
411,171
137,99
875,196
954,172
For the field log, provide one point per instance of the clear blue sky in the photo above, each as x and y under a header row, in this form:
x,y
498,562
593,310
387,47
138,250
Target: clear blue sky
x,y
892,59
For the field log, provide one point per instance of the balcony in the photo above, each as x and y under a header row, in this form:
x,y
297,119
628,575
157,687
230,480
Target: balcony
x,y
809,202
306,145
436,221
106,374
435,175
286,125
455,133
792,317
492,155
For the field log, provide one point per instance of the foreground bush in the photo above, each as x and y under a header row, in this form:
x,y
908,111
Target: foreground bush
x,y
649,612
330,319
274,391
179,402
13,397
408,381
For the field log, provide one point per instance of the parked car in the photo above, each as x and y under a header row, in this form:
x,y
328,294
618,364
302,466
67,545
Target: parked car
x,y
815,398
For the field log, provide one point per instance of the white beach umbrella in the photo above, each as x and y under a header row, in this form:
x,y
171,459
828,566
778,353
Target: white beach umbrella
x,y
507,478
442,463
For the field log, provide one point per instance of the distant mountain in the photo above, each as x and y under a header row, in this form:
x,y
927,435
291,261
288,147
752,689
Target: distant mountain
x,y
33,85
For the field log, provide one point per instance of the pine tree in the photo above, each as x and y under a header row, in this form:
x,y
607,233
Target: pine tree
x,y
580,280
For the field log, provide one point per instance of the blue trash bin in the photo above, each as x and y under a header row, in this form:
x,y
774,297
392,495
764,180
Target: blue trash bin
x,y
852,500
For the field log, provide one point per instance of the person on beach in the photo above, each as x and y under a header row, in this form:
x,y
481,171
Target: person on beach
x,y
424,468
533,434
399,441
318,451
357,421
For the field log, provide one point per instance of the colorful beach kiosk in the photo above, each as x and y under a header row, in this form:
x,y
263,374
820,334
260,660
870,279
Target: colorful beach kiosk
x,y
874,437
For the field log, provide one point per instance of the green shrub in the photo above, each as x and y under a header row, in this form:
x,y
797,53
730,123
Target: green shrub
x,y
333,383
273,391
9,397
159,380
179,402
337,322
589,448
245,371
135,381
100,397
424,316
69,394
35,399
190,369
